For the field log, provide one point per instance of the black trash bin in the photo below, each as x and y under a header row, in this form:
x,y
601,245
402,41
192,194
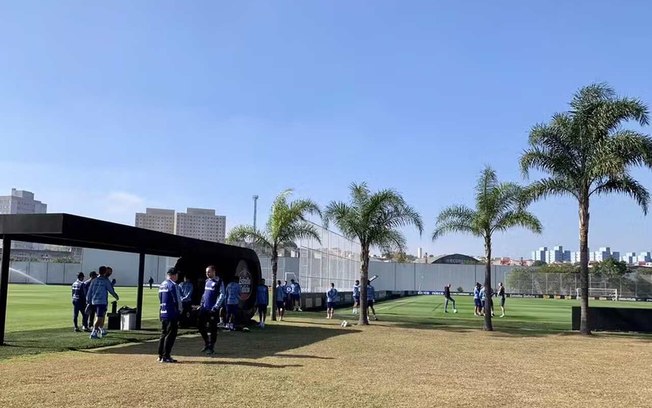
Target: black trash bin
x,y
113,318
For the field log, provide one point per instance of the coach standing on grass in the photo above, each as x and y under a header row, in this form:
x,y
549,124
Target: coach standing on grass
x,y
169,314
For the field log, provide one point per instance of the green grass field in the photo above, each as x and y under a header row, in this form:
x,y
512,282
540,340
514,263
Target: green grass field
x,y
415,355
39,318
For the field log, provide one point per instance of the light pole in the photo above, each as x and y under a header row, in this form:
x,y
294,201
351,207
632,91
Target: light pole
x,y
255,201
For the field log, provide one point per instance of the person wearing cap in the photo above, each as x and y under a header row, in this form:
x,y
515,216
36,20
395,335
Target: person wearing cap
x,y
78,302
89,313
169,315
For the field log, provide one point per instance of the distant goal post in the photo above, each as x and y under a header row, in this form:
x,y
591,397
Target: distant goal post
x,y
602,293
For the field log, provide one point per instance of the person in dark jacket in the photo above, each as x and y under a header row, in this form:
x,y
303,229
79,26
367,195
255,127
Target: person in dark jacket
x,y
79,302
169,314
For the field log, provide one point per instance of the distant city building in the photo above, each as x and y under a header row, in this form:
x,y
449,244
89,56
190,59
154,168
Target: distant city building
x,y
540,254
156,219
22,202
644,257
602,254
630,258
201,224
557,255
196,223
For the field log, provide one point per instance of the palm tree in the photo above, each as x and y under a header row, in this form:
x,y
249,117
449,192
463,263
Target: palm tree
x,y
586,153
498,207
287,223
374,220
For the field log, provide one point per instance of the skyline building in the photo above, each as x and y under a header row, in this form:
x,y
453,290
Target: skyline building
x,y
199,223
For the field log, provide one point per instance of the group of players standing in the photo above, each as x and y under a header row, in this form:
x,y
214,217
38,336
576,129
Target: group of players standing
x,y
480,297
90,298
218,307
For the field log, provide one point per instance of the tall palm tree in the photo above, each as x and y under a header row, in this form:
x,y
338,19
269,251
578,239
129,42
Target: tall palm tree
x,y
586,153
498,207
374,220
287,223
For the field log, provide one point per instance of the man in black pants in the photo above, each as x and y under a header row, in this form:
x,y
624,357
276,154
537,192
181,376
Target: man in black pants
x,y
167,294
448,298
209,309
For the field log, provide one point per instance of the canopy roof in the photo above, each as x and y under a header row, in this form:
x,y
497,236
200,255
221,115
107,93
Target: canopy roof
x,y
73,230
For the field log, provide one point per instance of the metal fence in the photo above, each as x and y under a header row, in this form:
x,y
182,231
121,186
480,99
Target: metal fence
x,y
316,265
433,277
634,284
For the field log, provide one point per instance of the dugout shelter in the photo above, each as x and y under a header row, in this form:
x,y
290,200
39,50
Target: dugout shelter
x,y
236,263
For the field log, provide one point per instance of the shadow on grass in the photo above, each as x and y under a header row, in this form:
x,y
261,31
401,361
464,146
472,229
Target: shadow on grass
x,y
273,341
28,342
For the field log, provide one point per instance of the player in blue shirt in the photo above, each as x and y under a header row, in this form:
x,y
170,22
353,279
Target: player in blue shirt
x,y
209,308
296,295
371,295
280,299
288,296
356,297
476,299
89,312
169,315
262,300
79,302
98,298
186,289
331,298
233,290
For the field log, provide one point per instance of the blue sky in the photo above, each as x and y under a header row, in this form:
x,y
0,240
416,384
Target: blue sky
x,y
108,108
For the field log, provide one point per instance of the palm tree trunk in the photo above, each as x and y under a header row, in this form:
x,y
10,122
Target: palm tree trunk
x,y
274,289
364,279
487,286
584,266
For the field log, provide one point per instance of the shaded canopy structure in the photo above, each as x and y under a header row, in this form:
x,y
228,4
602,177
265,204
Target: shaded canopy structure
x,y
235,263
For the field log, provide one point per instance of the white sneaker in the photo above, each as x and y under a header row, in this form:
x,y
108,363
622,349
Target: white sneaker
x,y
502,315
454,310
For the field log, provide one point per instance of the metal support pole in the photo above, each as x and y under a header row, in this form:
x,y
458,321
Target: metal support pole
x,y
4,285
139,295
255,208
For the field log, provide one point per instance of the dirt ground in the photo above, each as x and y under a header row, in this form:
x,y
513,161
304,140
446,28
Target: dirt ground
x,y
320,364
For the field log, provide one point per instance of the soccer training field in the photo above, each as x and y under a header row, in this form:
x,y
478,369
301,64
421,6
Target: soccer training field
x,y
415,355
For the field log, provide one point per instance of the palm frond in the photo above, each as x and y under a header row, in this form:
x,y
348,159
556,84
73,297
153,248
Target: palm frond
x,y
518,218
625,184
549,187
456,218
247,234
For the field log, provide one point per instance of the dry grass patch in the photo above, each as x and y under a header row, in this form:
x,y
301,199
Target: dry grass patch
x,y
319,364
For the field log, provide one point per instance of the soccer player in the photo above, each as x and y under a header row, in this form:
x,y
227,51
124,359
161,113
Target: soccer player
x,y
331,299
447,298
280,299
186,289
89,312
476,299
209,308
483,299
79,302
296,296
151,282
356,297
98,298
288,296
262,300
501,295
233,290
371,294
169,315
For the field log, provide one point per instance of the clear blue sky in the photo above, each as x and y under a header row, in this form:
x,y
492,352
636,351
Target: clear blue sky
x,y
110,107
